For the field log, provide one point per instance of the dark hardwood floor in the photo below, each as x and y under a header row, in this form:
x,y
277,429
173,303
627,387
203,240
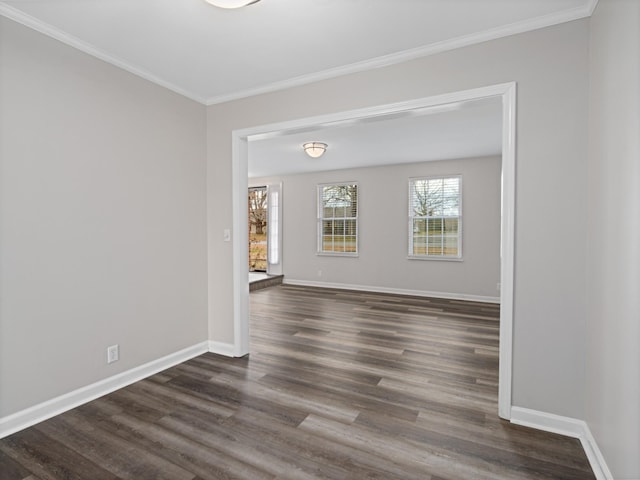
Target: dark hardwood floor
x,y
339,385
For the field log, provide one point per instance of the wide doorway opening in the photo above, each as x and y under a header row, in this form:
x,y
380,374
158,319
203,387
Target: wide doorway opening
x,y
504,94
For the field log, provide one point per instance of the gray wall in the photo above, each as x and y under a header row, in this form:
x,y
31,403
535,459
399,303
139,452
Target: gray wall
x,y
613,322
102,219
103,223
382,262
551,68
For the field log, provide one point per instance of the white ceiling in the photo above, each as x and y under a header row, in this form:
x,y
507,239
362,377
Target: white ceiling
x,y
460,130
213,55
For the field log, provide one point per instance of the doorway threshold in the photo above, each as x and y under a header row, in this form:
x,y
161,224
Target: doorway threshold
x,y
258,281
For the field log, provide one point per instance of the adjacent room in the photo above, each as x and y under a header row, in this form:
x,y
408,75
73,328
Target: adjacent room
x,y
454,254
382,156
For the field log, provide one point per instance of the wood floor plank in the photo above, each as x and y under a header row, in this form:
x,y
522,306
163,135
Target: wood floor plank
x,y
339,385
47,458
11,469
101,447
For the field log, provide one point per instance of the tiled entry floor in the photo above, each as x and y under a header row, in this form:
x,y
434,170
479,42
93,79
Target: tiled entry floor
x,y
257,276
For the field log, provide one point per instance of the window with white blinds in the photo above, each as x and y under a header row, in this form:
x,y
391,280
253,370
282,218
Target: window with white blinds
x,y
338,219
435,217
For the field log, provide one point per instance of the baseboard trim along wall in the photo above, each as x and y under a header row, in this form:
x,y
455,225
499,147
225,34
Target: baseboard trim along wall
x,y
36,414
395,291
570,427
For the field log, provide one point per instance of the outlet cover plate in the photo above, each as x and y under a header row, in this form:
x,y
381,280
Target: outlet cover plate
x,y
113,354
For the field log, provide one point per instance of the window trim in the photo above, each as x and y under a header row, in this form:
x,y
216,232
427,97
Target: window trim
x,y
320,218
410,219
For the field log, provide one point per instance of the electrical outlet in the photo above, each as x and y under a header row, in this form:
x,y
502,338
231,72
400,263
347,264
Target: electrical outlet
x,y
113,354
319,273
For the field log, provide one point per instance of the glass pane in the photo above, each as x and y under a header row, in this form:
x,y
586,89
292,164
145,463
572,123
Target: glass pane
x,y
434,226
350,227
257,203
327,243
434,245
451,245
435,197
419,245
350,243
338,244
451,225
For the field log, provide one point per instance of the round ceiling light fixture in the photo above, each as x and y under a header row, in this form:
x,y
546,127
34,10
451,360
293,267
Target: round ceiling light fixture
x,y
314,149
231,3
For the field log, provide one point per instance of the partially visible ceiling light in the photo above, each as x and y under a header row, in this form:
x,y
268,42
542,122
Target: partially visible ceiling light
x,y
231,3
314,149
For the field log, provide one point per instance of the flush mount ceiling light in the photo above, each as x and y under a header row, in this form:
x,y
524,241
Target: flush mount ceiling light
x,y
231,3
314,149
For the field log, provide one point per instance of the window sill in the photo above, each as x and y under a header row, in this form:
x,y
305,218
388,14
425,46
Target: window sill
x,y
336,254
437,259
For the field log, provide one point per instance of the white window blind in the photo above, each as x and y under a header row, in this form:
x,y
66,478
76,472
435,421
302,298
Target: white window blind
x,y
338,219
435,217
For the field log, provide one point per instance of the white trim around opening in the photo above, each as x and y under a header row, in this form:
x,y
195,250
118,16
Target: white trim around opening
x,y
240,157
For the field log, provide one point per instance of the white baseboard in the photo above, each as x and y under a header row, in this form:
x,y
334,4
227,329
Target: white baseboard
x,y
570,427
225,349
395,291
36,414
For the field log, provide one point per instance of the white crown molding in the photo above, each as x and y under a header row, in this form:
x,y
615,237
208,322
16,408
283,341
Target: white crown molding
x,y
38,413
383,61
57,34
570,427
412,54
394,291
592,6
